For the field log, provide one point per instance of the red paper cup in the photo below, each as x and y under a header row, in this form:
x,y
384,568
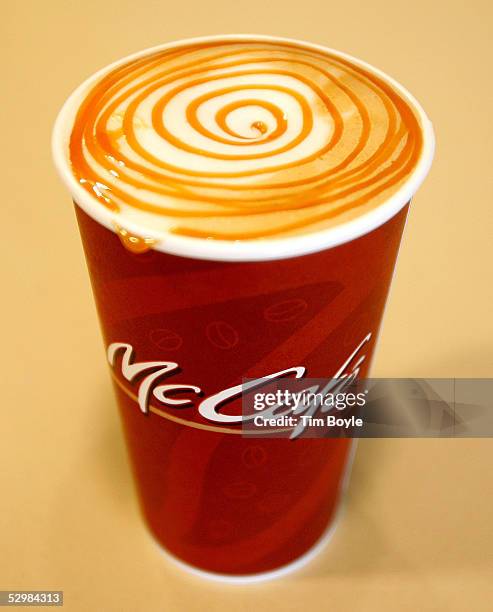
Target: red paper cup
x,y
192,318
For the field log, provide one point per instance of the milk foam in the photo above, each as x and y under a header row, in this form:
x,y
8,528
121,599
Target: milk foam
x,y
242,140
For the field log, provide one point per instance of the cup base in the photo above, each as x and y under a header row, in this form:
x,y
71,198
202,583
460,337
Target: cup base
x,y
284,570
280,572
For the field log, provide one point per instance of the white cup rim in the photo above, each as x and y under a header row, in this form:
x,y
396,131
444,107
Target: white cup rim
x,y
244,250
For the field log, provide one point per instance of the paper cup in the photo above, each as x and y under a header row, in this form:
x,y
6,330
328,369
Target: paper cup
x,y
192,317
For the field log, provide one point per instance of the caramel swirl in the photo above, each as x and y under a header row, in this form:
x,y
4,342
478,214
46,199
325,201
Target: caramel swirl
x,y
239,140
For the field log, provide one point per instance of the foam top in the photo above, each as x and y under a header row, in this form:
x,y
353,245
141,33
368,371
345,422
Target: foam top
x,y
240,140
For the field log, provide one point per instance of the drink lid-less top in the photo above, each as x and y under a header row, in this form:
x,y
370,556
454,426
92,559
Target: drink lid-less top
x,y
241,148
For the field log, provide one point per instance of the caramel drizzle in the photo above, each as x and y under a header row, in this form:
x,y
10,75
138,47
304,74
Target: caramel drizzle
x,y
382,169
133,243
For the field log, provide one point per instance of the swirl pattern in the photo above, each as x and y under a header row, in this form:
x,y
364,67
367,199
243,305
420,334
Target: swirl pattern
x,y
241,140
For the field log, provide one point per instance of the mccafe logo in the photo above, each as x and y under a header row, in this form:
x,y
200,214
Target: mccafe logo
x,y
157,383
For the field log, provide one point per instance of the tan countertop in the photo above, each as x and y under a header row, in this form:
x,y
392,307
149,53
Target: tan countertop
x,y
416,534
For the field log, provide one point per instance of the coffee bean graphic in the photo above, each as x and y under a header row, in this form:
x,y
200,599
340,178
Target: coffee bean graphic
x,y
166,339
242,489
253,456
222,335
287,310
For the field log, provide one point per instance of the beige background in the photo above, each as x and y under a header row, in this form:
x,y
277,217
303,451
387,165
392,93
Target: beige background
x,y
417,533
